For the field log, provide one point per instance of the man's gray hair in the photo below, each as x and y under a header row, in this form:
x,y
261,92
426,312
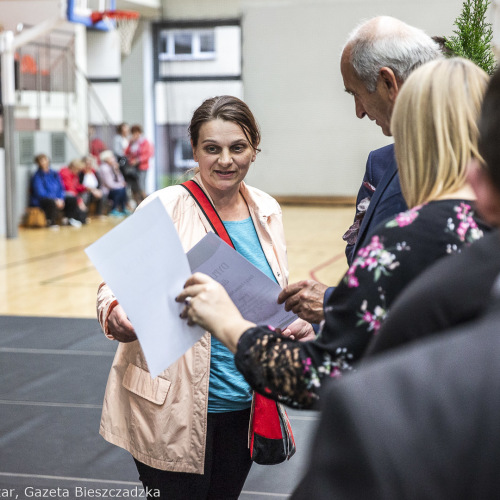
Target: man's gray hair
x,y
388,42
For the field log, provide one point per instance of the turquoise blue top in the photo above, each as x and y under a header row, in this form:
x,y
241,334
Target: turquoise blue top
x,y
228,390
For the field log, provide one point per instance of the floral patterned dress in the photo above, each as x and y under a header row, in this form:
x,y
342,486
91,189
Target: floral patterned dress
x,y
400,249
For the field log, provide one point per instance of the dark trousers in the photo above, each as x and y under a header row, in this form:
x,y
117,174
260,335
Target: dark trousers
x,y
48,205
227,464
72,210
89,199
118,198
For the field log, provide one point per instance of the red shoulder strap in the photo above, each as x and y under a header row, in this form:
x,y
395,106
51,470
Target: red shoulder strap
x,y
208,210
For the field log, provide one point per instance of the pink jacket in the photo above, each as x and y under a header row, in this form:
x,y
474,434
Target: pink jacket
x,y
141,150
111,177
162,421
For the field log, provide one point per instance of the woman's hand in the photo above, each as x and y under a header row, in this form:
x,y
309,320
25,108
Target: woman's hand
x,y
299,330
209,305
120,326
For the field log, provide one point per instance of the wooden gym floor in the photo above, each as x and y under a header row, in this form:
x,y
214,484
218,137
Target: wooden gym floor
x,y
47,273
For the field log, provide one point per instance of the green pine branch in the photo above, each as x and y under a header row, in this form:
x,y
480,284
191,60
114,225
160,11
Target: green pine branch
x,y
473,35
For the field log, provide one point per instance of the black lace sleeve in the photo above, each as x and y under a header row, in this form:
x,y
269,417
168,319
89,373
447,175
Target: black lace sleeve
x,y
282,369
290,371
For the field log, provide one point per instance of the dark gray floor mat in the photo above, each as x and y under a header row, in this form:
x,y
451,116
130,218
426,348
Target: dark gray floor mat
x,y
53,375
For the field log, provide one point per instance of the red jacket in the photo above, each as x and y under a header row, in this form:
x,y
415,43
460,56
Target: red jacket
x,y
141,150
96,147
71,183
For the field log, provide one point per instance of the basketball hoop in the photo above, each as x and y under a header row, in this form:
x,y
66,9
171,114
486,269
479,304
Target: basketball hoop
x,y
126,24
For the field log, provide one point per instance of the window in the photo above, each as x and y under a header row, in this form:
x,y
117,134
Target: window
x,y
207,43
26,148
58,147
183,154
183,44
186,45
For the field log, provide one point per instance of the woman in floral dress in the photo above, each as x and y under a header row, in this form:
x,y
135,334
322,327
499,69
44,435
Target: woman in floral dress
x,y
435,132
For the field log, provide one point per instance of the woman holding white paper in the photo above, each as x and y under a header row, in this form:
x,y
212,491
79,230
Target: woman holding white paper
x,y
187,429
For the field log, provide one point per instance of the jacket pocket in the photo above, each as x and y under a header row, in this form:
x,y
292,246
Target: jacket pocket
x,y
139,382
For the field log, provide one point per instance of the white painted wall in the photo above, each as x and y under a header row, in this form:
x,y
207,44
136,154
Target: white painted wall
x,y
103,54
495,21
313,144
104,62
176,101
201,9
13,12
110,96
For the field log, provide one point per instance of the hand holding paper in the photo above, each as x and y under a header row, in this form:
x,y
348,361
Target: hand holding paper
x,y
254,294
211,308
143,262
120,325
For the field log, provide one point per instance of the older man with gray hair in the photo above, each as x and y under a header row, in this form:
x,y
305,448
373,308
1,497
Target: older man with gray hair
x,y
376,60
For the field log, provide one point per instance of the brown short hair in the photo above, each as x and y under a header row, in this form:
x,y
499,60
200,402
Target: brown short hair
x,y
226,108
119,128
39,157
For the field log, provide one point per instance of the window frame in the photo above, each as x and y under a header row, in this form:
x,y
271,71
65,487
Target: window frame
x,y
196,54
180,161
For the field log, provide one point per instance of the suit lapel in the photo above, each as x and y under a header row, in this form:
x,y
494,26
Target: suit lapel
x,y
379,191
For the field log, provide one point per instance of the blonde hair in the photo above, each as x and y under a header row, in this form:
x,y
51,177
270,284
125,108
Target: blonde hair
x,y
76,164
434,125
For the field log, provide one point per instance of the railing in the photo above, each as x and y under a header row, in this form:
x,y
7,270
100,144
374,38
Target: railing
x,y
54,94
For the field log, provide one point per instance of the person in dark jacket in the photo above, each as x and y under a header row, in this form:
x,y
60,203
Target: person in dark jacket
x,y
378,57
453,292
420,422
46,190
441,221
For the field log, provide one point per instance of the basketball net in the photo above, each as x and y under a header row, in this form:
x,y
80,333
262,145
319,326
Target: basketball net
x,y
126,24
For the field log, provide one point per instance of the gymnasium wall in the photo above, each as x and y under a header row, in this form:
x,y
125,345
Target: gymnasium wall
x,y
3,222
313,144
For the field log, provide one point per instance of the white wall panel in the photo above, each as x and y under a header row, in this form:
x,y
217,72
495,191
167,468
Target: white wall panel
x,y
13,12
200,9
313,144
176,101
103,54
110,97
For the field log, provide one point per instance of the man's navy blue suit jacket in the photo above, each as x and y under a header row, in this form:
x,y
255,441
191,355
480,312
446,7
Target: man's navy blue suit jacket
x,y
386,201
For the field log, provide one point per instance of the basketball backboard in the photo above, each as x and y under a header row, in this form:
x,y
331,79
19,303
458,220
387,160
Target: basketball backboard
x,y
79,11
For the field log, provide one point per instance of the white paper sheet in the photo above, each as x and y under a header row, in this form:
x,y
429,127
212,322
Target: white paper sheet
x,y
253,292
144,264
